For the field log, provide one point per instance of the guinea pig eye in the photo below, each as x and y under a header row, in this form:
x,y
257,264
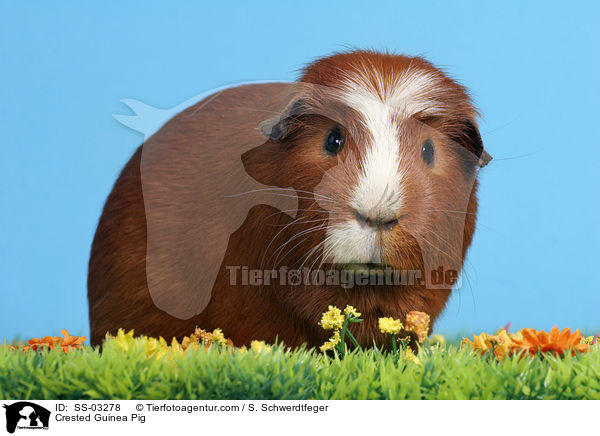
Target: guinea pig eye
x,y
334,141
428,152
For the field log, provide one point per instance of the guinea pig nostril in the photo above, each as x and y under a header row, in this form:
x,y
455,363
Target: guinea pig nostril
x,y
390,224
361,218
377,222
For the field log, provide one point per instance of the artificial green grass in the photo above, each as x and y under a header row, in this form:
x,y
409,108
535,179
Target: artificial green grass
x,y
444,373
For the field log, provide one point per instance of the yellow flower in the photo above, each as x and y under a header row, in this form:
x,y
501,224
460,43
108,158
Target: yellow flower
x,y
176,346
332,342
189,341
219,337
123,340
260,346
332,319
155,347
409,355
438,340
390,325
205,338
589,340
158,347
350,310
418,322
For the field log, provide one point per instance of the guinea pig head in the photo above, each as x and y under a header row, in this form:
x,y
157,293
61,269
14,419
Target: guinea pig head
x,y
387,147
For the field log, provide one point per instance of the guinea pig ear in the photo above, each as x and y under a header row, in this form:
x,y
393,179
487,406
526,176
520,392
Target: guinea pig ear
x,y
278,127
470,138
484,159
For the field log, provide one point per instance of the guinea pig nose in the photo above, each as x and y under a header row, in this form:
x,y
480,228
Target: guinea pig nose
x,y
377,222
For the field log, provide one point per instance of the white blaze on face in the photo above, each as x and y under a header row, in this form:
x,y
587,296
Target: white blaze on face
x,y
380,189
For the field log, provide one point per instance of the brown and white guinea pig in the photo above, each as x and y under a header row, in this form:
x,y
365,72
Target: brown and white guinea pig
x,y
382,153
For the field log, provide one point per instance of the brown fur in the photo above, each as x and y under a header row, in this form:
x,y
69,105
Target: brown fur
x,y
117,284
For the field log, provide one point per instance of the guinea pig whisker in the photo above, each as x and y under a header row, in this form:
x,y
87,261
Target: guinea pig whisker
x,y
298,221
309,254
275,237
302,222
296,236
305,233
319,220
258,190
278,261
393,203
315,193
296,210
300,197
451,211
479,223
325,254
437,248
310,269
328,251
268,191
440,238
381,200
262,262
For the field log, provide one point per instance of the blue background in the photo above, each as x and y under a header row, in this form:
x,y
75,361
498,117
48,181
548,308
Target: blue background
x,y
532,69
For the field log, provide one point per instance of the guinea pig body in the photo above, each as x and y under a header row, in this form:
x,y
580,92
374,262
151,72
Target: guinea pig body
x,y
381,152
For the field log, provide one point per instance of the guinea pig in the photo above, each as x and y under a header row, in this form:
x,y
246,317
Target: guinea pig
x,y
374,158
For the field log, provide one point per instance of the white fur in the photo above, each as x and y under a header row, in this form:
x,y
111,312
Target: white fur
x,y
380,190
347,243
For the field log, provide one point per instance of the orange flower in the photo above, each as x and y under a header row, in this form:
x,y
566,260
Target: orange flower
x,y
71,341
557,342
39,344
500,343
529,341
418,322
51,342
